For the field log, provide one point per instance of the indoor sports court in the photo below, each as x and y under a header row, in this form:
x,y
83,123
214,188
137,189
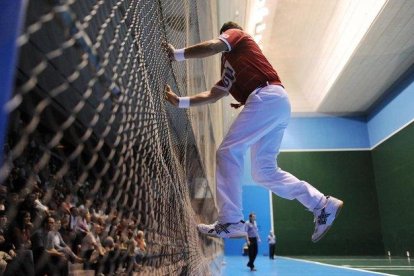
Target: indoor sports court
x,y
326,265
195,137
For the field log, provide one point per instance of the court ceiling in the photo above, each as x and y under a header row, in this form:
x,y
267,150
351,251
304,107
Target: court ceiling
x,y
334,56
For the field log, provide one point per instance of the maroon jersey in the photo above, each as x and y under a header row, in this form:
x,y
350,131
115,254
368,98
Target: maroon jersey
x,y
243,67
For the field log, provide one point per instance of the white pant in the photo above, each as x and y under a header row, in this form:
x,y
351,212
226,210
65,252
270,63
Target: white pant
x,y
259,126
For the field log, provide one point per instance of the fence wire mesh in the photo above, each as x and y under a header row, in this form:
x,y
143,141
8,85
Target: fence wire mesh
x,y
98,169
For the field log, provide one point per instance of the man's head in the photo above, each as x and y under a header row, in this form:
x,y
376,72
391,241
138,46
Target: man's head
x,y
50,223
252,216
230,25
3,218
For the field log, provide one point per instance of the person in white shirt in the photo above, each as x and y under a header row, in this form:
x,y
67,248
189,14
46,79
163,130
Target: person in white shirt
x,y
254,238
271,239
55,245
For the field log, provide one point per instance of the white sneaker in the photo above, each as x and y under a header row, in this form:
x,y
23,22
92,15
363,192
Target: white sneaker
x,y
223,230
325,217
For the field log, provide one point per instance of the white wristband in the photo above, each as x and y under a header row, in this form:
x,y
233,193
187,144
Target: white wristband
x,y
179,54
183,102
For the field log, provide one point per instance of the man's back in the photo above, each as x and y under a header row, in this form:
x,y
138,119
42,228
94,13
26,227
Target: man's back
x,y
244,67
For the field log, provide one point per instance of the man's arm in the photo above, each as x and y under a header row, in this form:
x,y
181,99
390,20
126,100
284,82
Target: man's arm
x,y
201,50
54,252
199,99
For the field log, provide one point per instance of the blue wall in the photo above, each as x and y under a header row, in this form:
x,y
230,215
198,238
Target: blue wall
x,y
393,113
10,24
326,133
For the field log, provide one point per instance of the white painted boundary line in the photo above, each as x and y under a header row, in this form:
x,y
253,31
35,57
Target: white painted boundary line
x,y
330,149
335,266
365,260
271,211
387,268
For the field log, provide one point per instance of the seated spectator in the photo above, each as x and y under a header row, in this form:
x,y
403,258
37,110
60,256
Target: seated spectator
x,y
6,251
2,203
55,245
141,244
81,228
29,205
67,234
22,263
82,221
3,222
13,202
91,247
4,258
39,206
74,213
41,258
109,262
131,246
141,248
67,205
22,231
3,192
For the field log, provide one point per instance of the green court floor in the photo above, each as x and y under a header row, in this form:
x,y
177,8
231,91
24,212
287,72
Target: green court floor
x,y
318,266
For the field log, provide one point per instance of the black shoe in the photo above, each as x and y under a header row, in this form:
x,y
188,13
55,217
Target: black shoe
x,y
253,269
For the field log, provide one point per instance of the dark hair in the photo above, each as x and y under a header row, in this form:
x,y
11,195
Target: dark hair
x,y
230,25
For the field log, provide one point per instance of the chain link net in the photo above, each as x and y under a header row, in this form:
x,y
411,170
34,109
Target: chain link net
x,y
92,143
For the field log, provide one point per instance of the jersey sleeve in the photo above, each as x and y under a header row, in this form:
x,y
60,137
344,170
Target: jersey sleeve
x,y
231,37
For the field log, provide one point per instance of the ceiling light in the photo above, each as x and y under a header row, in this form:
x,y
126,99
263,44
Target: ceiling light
x,y
257,12
258,38
260,27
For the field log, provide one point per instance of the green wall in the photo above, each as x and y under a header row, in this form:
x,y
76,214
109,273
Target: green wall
x,y
393,163
347,175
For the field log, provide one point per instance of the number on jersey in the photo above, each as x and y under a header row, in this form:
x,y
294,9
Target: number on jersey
x,y
228,76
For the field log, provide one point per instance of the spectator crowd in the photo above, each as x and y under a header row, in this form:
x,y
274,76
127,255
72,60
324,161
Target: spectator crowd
x,y
47,223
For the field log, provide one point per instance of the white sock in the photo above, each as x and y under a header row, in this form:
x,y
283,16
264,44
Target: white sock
x,y
322,203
